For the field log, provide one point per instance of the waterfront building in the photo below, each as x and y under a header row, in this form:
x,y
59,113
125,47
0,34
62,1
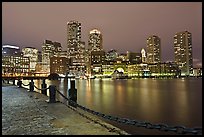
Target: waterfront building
x,y
49,49
134,58
10,50
111,56
166,69
59,65
138,70
122,57
183,52
153,49
15,65
97,59
32,53
197,72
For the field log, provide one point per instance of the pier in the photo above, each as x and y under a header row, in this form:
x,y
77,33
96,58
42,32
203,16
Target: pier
x,y
29,113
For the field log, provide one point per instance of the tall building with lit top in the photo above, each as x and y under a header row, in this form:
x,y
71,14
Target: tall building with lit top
x,y
183,52
143,52
74,45
95,40
153,49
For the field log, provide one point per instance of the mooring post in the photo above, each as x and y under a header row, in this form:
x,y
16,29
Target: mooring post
x,y
31,84
52,91
72,94
19,83
7,81
13,81
44,86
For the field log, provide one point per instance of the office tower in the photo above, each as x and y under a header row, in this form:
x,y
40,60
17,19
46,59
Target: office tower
x,y
143,52
32,53
47,52
183,52
95,40
74,46
49,49
153,49
73,39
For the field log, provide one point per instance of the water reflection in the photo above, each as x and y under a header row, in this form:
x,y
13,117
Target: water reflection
x,y
170,101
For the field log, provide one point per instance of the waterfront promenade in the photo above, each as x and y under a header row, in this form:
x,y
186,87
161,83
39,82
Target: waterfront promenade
x,y
28,113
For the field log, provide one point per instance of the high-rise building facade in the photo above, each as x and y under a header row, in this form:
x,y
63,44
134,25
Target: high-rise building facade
x,y
95,40
183,52
49,49
32,53
74,46
153,49
73,39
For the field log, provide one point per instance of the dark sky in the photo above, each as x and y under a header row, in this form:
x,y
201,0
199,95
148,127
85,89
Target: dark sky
x,y
125,26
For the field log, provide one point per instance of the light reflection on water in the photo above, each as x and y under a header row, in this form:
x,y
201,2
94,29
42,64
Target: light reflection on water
x,y
170,101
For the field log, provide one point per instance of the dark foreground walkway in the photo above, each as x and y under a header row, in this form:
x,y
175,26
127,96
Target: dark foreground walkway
x,y
28,113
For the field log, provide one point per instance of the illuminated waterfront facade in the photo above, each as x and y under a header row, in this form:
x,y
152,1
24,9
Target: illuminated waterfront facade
x,y
153,49
59,65
10,50
32,53
49,49
183,52
97,59
15,65
112,55
134,58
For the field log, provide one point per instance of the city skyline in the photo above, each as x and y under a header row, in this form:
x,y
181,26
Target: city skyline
x,y
32,28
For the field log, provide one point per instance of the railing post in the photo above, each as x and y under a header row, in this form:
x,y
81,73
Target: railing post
x,y
72,94
31,84
52,91
19,83
13,81
43,86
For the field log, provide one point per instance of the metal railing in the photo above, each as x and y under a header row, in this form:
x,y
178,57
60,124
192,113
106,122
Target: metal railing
x,y
148,125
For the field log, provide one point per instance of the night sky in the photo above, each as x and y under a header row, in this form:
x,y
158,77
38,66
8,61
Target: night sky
x,y
124,26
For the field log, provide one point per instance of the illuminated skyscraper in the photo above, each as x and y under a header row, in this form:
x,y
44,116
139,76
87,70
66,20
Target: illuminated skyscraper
x,y
73,38
32,53
49,49
95,40
153,49
183,52
95,52
74,46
